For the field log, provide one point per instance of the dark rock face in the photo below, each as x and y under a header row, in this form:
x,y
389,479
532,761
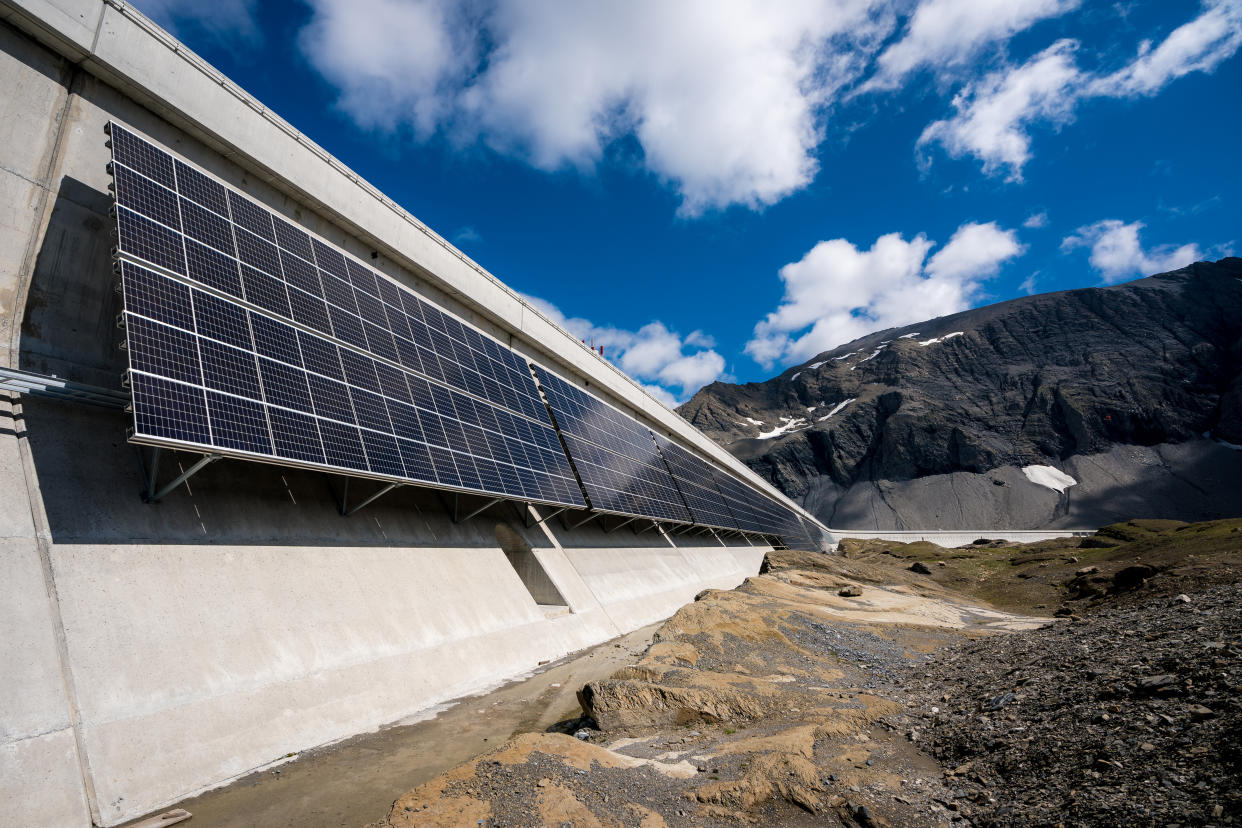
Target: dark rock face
x,y
1043,380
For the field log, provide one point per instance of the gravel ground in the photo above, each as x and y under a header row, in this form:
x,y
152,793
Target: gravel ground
x,y
1129,717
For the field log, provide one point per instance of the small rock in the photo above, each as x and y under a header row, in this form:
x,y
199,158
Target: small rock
x,y
1133,577
1153,683
849,592
1087,570
1182,599
920,568
582,735
543,783
1198,712
1147,747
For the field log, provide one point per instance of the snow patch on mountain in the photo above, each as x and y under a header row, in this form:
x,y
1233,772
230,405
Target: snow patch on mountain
x,y
1049,477
839,406
944,338
788,425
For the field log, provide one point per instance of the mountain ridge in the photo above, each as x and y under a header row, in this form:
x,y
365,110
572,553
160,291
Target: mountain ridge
x,y
931,425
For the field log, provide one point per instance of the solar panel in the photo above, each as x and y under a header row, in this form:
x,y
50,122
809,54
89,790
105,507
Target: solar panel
x,y
250,337
756,512
619,465
694,480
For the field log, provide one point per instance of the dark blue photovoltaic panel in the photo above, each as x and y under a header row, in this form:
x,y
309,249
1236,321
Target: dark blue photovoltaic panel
x,y
756,512
582,415
170,410
616,483
619,465
697,486
217,360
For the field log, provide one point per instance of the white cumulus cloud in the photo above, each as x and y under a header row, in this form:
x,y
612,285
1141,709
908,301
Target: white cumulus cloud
x,y
1117,253
724,98
948,34
994,115
396,62
670,366
1197,46
838,292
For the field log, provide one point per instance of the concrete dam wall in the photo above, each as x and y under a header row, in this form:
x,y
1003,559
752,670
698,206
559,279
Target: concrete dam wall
x,y
154,650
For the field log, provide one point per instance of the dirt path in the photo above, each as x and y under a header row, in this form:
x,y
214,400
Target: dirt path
x,y
356,781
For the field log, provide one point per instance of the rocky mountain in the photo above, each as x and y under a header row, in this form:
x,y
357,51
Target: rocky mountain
x,y
1069,409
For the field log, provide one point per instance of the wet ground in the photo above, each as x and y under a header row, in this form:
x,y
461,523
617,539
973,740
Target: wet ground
x,y
356,781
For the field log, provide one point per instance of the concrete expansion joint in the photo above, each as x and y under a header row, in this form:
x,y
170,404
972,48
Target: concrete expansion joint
x,y
43,185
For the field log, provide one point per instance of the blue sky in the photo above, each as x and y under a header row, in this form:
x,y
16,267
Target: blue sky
x,y
718,190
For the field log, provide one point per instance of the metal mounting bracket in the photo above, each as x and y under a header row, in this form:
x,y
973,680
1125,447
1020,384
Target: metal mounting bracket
x,y
150,495
585,520
457,501
347,510
526,516
609,531
654,525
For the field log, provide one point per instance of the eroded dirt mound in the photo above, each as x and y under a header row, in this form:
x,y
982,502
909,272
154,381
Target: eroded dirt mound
x,y
759,705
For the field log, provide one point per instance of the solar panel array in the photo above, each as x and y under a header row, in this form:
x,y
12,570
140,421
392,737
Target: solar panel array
x,y
620,468
252,337
249,336
697,485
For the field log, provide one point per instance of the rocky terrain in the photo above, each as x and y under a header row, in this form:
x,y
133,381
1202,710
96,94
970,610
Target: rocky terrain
x,y
875,688
1070,409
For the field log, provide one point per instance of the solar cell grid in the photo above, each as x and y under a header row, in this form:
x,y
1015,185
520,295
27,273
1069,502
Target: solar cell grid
x,y
169,410
150,241
201,190
292,239
142,156
146,197
155,297
245,213
212,268
162,350
205,226
215,318
301,274
696,484
309,311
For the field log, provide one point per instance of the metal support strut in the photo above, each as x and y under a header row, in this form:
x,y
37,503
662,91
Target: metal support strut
x,y
585,520
619,525
654,525
153,496
529,523
346,512
489,504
